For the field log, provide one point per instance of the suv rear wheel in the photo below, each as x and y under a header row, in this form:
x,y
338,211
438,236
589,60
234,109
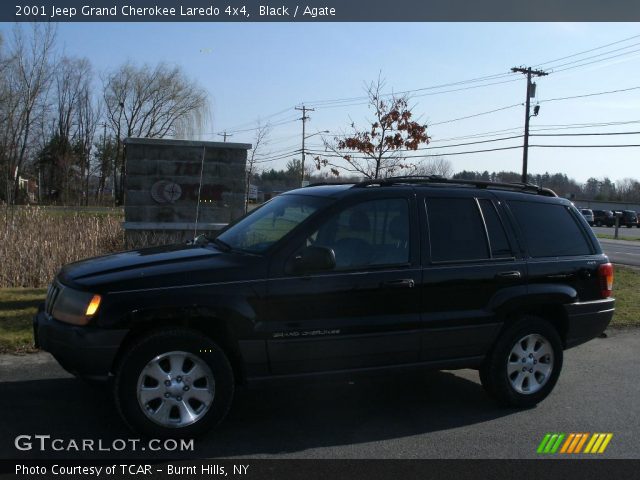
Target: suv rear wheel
x,y
524,364
174,383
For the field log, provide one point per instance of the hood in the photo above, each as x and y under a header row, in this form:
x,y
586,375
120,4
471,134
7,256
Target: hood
x,y
155,267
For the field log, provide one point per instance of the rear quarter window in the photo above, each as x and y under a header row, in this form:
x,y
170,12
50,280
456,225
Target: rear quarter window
x,y
550,229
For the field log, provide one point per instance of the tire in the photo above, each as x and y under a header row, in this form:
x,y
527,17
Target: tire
x,y
543,371
173,383
598,223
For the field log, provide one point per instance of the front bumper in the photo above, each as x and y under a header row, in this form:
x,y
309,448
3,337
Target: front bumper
x,y
587,320
81,350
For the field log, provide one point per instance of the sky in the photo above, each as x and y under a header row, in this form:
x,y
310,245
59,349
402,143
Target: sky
x,y
260,71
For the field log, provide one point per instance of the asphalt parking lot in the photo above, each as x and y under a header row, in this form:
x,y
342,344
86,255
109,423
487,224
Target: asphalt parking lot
x,y
433,415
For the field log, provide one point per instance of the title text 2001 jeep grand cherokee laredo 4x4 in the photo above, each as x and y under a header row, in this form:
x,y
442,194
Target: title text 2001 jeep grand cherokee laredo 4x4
x,y
379,275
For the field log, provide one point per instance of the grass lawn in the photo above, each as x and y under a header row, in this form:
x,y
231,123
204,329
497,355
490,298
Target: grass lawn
x,y
620,237
626,290
18,305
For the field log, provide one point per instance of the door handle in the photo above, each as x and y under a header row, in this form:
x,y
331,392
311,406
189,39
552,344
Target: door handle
x,y
402,283
514,275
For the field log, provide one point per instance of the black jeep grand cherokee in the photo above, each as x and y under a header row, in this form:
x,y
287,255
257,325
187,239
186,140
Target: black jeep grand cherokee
x,y
376,276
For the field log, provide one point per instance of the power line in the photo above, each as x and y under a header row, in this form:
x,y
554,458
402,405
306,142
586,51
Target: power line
x,y
588,146
426,155
594,61
553,67
486,78
272,115
475,115
583,134
576,126
470,143
284,122
587,51
323,103
589,94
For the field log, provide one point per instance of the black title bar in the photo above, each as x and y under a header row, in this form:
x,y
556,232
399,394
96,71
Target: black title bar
x,y
320,11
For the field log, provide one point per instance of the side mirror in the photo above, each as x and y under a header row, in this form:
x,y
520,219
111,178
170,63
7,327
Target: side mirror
x,y
314,259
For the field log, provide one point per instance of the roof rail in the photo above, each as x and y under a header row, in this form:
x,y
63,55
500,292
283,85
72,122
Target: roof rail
x,y
320,184
437,179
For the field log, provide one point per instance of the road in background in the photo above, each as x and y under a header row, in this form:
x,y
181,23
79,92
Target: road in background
x,y
621,251
623,232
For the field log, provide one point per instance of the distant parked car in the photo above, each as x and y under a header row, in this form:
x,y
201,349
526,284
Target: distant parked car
x,y
629,218
588,215
603,218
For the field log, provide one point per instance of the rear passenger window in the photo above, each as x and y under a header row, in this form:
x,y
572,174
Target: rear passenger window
x,y
456,230
550,230
500,247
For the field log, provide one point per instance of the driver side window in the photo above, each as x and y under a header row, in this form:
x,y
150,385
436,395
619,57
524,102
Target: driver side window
x,y
372,233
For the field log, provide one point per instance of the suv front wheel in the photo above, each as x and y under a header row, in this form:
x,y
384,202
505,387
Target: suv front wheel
x,y
524,364
174,383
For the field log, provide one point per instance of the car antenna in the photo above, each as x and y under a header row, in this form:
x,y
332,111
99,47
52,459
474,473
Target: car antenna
x,y
195,230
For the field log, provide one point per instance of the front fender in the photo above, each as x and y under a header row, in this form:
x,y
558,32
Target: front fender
x,y
236,303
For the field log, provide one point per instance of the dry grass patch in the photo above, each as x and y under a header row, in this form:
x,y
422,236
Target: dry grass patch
x,y
35,242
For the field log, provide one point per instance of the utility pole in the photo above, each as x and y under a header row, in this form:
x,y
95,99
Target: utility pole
x,y
525,152
304,121
225,135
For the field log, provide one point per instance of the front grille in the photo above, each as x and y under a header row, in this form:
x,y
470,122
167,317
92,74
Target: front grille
x,y
52,296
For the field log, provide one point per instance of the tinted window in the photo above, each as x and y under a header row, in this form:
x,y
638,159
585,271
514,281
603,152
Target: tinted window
x,y
367,234
456,230
497,237
549,229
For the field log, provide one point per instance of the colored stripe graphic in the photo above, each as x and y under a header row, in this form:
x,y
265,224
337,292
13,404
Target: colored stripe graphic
x,y
555,447
607,439
543,443
567,442
581,443
573,443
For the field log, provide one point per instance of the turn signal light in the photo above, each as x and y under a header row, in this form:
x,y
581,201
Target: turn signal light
x,y
93,305
605,274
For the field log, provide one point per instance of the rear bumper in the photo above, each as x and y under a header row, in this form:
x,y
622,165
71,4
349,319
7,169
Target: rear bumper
x,y
587,320
83,351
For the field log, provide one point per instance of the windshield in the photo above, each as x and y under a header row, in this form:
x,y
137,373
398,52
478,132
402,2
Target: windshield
x,y
259,230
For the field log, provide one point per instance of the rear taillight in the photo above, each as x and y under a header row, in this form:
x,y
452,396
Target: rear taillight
x,y
605,274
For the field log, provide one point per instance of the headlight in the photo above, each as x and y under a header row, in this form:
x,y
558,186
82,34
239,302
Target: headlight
x,y
74,306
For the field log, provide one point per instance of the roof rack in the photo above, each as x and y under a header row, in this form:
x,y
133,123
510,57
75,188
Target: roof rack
x,y
437,179
320,184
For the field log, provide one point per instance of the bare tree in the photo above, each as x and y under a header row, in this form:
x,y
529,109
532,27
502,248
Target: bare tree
x,y
434,166
64,159
89,114
259,143
151,103
26,78
628,189
378,151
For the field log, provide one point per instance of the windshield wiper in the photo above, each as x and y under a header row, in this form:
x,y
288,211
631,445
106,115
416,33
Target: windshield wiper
x,y
223,245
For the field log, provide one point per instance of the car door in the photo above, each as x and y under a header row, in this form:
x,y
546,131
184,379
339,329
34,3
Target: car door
x,y
471,259
365,311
